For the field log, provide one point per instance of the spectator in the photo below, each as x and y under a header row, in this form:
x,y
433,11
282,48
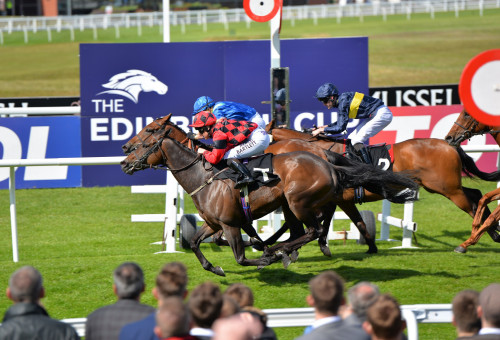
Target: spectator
x,y
172,320
326,296
465,318
489,312
360,297
205,305
27,319
229,307
128,285
241,293
383,319
237,327
171,281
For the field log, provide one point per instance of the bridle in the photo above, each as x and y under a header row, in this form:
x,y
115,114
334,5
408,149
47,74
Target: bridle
x,y
469,132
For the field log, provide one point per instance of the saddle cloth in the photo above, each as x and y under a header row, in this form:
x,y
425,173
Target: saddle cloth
x,y
379,153
260,166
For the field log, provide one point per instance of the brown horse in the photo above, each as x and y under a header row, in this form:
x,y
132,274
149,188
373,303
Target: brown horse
x,y
218,203
466,127
348,206
436,165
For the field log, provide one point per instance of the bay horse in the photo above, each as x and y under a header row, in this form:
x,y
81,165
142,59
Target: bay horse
x,y
466,127
218,203
348,206
436,166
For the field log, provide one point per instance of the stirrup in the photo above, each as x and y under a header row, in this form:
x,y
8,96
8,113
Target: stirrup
x,y
243,182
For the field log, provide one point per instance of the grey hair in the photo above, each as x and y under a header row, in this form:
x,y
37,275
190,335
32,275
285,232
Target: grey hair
x,y
26,284
129,280
361,296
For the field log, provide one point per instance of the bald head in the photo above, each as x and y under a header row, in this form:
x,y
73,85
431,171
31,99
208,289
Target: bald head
x,y
25,285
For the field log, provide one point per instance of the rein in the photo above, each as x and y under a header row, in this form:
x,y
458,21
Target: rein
x,y
468,133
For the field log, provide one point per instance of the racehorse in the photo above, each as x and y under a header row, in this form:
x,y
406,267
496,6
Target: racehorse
x,y
348,206
218,203
466,127
436,165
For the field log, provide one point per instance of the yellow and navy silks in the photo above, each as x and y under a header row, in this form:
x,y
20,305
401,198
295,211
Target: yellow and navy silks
x,y
353,105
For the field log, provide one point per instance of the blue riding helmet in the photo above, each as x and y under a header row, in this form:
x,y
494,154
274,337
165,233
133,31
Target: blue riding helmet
x,y
327,90
202,104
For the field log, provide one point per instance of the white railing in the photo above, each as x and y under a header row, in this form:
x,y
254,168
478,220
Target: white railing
x,y
224,16
303,317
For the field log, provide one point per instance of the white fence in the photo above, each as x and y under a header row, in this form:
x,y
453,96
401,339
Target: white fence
x,y
303,317
225,16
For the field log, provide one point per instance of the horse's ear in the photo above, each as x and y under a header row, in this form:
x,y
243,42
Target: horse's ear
x,y
168,117
271,125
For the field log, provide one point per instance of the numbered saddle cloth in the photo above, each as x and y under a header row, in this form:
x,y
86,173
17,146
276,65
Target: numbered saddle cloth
x,y
260,166
379,154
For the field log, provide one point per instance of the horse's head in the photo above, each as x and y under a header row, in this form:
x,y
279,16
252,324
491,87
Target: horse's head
x,y
147,154
464,128
146,133
131,83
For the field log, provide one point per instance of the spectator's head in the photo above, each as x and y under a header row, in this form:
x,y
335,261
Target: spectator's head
x,y
229,307
172,319
361,296
326,293
465,318
241,293
205,304
489,306
128,281
26,285
171,281
383,319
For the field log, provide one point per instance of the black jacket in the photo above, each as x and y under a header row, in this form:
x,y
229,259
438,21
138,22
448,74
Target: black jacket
x,y
30,321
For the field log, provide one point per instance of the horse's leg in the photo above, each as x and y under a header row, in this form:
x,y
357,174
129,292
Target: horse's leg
x,y
233,236
326,217
476,234
483,217
350,209
204,232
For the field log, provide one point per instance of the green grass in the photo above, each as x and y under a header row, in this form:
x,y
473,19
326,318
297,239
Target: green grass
x,y
76,237
401,51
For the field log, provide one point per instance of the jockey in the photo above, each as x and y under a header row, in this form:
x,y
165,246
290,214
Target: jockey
x,y
233,140
372,112
228,110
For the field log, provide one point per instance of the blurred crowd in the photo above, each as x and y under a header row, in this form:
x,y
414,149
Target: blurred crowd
x,y
207,312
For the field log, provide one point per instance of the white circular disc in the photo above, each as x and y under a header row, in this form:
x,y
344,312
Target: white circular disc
x,y
485,87
262,7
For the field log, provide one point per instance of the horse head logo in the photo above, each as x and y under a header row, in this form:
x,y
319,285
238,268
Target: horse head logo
x,y
130,84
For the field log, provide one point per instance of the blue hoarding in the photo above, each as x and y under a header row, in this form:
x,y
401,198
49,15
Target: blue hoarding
x,y
124,86
38,138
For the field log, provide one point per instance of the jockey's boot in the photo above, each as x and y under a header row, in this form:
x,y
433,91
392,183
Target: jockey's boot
x,y
365,155
236,165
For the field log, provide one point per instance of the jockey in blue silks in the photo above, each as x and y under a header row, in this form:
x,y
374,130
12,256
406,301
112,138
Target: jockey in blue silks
x,y
228,110
373,114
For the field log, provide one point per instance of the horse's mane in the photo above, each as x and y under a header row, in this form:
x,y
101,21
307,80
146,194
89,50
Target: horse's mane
x,y
115,80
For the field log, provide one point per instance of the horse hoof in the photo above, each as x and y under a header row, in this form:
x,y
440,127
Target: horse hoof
x,y
294,255
326,251
460,250
258,247
218,271
372,250
286,261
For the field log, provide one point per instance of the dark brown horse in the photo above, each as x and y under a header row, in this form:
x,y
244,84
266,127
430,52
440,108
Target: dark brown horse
x,y
436,165
466,127
218,203
348,206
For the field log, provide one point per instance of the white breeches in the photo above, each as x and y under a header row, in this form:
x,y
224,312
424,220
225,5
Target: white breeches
x,y
254,145
257,119
370,127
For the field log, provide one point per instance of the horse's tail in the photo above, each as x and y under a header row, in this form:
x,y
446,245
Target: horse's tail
x,y
395,187
470,168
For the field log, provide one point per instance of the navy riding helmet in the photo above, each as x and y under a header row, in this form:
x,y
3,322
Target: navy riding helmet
x,y
202,104
326,90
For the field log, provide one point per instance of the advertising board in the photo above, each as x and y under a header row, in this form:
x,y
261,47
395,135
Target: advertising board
x,y
125,86
38,138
